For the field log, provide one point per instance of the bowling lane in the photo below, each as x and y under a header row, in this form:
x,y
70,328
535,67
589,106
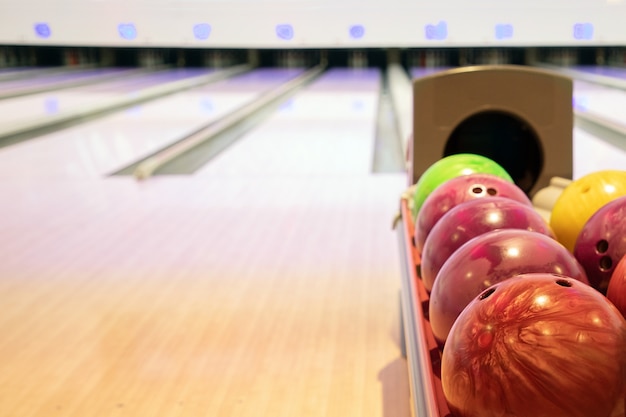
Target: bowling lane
x,y
326,129
182,296
216,295
59,80
592,154
35,106
605,71
610,103
107,144
7,73
137,83
596,99
14,70
10,73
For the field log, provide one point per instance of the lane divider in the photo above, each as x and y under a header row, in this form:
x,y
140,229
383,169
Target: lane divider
x,y
62,85
401,92
49,123
602,127
146,168
16,73
604,80
602,122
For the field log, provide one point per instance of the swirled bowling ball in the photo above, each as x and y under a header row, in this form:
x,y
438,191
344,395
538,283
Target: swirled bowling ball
x,y
451,167
602,243
616,292
458,190
470,219
538,345
581,199
491,258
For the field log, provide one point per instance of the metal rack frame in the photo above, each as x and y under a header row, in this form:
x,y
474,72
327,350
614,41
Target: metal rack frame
x,y
422,351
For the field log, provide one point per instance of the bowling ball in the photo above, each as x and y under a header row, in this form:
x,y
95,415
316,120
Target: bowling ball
x,y
617,286
580,199
491,258
470,219
602,243
458,190
538,345
451,167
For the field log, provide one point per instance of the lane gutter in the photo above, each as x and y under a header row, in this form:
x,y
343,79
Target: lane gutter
x,y
11,133
146,168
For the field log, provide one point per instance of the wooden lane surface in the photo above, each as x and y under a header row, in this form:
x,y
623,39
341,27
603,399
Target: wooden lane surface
x,y
201,297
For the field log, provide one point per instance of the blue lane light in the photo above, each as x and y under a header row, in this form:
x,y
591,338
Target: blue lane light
x,y
206,104
583,31
581,103
201,31
357,31
286,106
133,111
42,30
127,31
504,31
436,32
284,32
51,105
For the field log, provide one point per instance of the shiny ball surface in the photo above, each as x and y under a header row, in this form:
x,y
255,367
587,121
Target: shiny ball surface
x,y
458,190
616,292
602,243
470,219
581,199
536,345
491,258
451,167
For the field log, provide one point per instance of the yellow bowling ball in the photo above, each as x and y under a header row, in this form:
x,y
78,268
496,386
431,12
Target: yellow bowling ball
x,y
581,199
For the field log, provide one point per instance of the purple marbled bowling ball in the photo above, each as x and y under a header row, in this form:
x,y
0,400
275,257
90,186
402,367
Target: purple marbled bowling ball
x,y
491,258
458,190
470,219
602,243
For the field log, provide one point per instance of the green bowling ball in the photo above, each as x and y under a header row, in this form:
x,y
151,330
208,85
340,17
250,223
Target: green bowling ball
x,y
451,167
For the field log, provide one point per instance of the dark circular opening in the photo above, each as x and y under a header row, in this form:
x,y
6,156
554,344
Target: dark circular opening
x,y
506,139
602,246
486,293
563,283
606,263
492,191
477,190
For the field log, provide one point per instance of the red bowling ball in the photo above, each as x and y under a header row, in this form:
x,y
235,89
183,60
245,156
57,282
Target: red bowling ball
x,y
617,286
458,190
470,219
602,243
537,345
491,258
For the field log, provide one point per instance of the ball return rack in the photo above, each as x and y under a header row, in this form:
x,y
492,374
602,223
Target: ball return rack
x,y
541,101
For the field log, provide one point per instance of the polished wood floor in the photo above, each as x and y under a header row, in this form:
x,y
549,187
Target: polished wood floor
x,y
225,296
264,285
249,289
